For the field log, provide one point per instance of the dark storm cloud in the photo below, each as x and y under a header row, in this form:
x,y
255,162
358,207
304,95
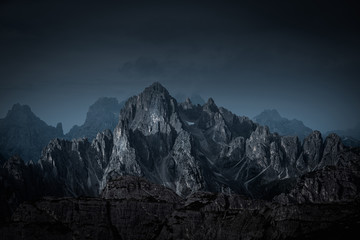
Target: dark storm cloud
x,y
301,57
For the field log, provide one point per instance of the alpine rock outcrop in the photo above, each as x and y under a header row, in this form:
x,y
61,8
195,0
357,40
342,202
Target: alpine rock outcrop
x,y
187,148
182,170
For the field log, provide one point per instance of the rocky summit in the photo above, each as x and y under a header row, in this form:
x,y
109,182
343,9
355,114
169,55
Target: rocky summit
x,y
195,172
187,148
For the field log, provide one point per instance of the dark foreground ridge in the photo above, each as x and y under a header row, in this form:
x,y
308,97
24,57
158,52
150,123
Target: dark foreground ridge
x,y
133,208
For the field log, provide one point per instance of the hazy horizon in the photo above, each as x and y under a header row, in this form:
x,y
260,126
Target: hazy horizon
x,y
301,58
67,127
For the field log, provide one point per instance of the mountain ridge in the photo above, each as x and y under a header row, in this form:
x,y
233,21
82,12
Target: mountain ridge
x,y
282,125
218,151
193,166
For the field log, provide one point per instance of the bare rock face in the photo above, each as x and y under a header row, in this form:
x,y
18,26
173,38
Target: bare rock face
x,y
312,151
187,164
150,141
332,147
77,165
328,184
187,148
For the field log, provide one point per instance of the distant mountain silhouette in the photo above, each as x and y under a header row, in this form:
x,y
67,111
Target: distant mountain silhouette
x,y
350,137
24,134
194,98
281,125
103,114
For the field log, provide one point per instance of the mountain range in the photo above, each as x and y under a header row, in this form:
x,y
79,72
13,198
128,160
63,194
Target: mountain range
x,y
202,163
35,134
294,127
187,148
23,133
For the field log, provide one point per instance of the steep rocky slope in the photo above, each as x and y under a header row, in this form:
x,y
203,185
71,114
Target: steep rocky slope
x,y
24,134
187,148
77,165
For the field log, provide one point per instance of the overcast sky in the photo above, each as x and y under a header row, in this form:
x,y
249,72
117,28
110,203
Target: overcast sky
x,y
299,57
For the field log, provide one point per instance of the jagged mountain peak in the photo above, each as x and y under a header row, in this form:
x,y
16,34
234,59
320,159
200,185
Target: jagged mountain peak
x,y
315,134
23,108
210,106
210,101
184,147
156,87
151,110
22,112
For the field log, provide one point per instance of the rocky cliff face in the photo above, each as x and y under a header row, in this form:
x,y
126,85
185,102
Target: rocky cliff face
x,y
102,115
329,184
198,159
187,148
150,141
77,165
24,134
